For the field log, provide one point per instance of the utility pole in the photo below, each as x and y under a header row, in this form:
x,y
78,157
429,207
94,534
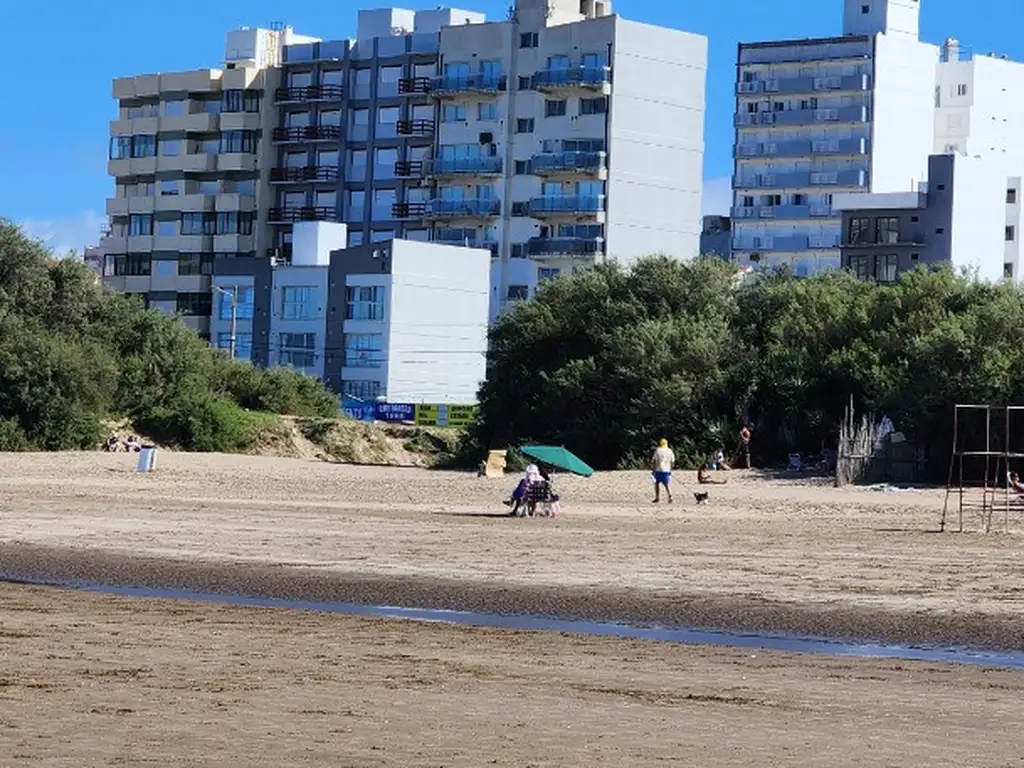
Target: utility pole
x,y
233,335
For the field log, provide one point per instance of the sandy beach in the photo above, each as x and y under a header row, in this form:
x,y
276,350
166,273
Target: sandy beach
x,y
133,681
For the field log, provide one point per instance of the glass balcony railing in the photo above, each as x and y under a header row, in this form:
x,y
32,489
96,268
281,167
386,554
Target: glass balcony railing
x,y
564,246
562,162
566,204
481,82
442,166
468,208
572,77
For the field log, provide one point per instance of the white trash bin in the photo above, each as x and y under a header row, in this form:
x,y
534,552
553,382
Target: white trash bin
x,y
147,458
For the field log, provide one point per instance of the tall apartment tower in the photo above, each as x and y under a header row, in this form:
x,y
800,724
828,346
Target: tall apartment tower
x,y
185,155
567,136
821,116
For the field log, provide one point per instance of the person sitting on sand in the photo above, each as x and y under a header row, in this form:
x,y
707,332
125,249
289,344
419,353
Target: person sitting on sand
x,y
533,475
704,477
718,462
1015,482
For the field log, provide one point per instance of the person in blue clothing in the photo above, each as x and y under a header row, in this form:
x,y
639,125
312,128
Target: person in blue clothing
x,y
662,463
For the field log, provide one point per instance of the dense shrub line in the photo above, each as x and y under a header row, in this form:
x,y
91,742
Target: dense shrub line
x,y
73,355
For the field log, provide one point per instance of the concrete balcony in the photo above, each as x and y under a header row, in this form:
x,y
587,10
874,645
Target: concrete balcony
x,y
234,243
464,166
201,122
306,133
564,247
197,163
237,161
596,79
796,85
122,206
487,245
566,205
844,178
240,121
132,166
451,85
183,243
136,126
803,148
234,201
777,243
463,209
183,203
592,164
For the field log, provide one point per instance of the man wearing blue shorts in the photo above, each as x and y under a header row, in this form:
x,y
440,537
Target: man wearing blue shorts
x,y
662,463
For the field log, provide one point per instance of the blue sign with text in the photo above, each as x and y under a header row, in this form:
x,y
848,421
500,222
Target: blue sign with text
x,y
353,409
395,412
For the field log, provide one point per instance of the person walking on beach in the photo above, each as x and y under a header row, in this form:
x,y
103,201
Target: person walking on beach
x,y
662,463
743,449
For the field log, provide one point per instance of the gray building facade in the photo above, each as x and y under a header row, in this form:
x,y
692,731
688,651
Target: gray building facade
x,y
893,233
716,237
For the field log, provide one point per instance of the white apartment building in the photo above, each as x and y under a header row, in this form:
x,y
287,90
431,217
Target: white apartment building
x,y
819,117
189,183
567,136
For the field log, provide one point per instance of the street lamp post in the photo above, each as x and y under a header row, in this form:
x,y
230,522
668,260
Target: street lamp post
x,y
233,296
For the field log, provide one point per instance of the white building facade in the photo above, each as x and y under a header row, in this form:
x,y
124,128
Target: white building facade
x,y
819,117
567,136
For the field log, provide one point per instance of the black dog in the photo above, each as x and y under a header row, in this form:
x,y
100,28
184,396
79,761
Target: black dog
x,y
702,498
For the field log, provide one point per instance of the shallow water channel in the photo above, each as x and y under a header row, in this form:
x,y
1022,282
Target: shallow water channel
x,y
687,636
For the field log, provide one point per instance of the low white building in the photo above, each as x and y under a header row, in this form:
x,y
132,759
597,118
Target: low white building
x,y
401,321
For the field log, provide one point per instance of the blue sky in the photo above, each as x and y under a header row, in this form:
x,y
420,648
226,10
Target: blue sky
x,y
60,57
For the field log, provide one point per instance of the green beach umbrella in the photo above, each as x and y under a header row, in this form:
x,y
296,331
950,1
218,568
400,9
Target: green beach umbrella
x,y
560,458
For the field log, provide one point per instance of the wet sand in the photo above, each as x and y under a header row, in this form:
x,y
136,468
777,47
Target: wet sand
x,y
93,680
766,555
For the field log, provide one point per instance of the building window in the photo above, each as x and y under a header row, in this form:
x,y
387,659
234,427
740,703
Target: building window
x,y
297,350
195,263
860,231
167,228
244,295
886,268
132,265
887,230
298,303
1011,196
518,292
595,106
865,9
243,344
1008,271
238,100
198,223
528,40
859,267
487,111
1010,233
524,125
554,108
140,225
547,273
169,188
364,350
122,147
195,304
940,230
234,223
522,168
961,89
233,142
453,113
361,390
175,108
170,147
364,302
524,83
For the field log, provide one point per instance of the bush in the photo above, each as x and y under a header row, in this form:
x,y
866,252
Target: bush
x,y
609,361
73,355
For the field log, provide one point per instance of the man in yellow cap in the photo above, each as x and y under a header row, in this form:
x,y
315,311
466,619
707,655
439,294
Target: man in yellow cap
x,y
662,463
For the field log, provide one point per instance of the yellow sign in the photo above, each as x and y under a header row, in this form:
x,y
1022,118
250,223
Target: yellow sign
x,y
445,415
